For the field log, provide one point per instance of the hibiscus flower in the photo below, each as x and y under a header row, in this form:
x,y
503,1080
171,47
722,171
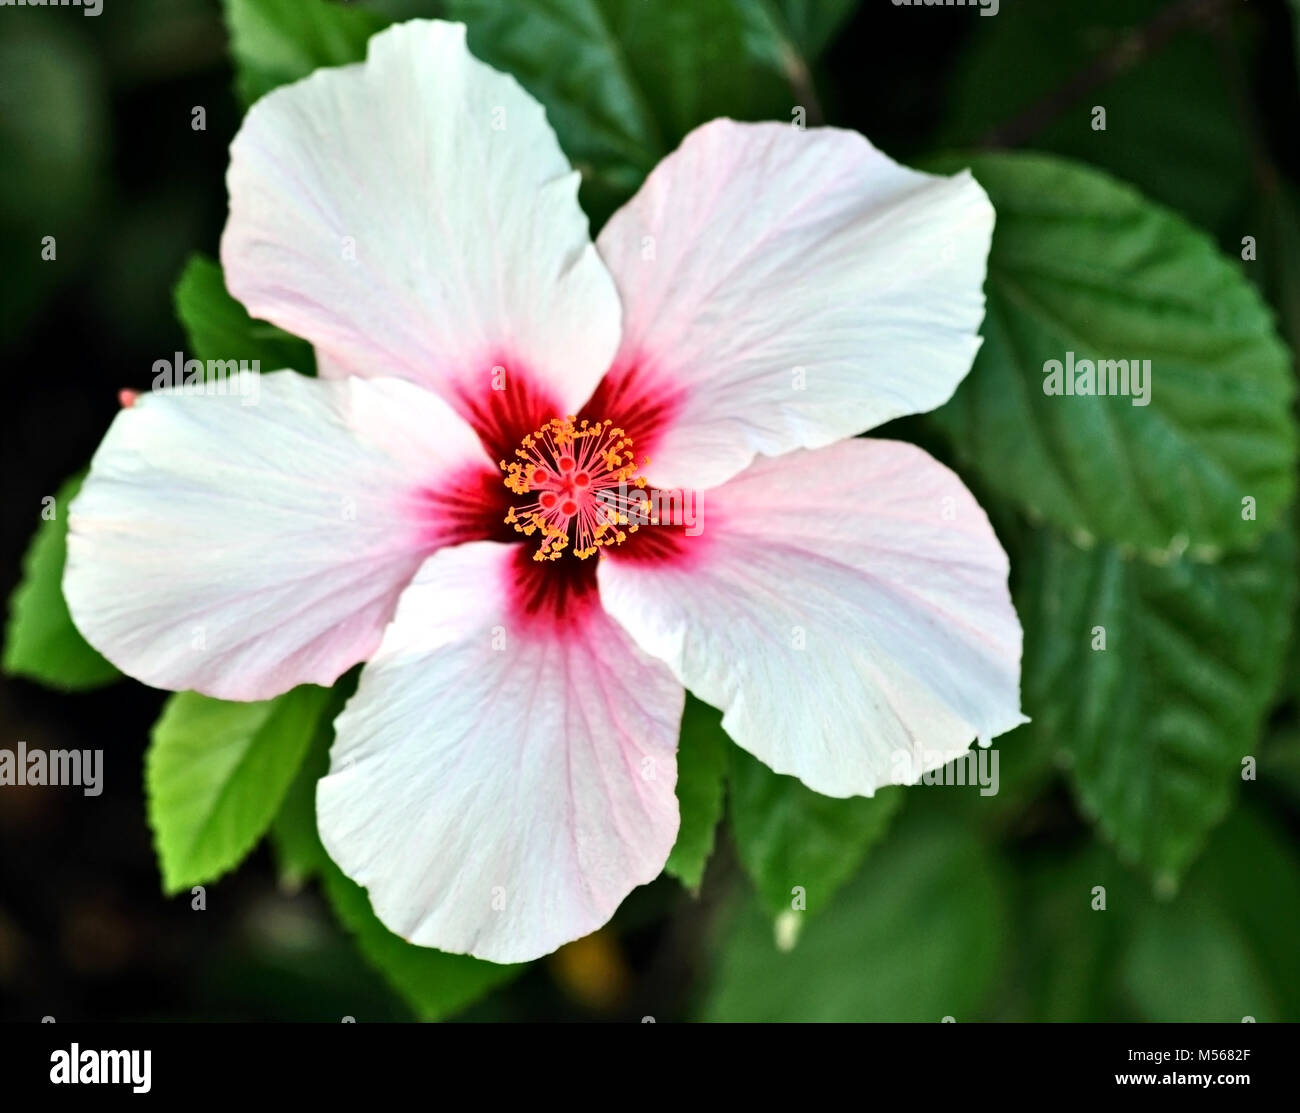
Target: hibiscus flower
x,y
451,500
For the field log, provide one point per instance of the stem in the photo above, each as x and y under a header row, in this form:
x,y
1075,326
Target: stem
x,y
800,79
1131,49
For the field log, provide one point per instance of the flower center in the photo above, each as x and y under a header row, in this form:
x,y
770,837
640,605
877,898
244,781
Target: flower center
x,y
574,479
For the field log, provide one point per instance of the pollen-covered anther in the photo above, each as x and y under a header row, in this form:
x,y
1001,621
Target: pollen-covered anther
x,y
573,477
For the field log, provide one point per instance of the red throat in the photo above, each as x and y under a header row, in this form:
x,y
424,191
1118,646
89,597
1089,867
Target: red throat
x,y
565,484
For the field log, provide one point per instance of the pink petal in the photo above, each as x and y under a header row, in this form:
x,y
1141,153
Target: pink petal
x,y
785,289
846,608
505,773
239,550
414,216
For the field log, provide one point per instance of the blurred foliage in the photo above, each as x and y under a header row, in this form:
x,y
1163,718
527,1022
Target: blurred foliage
x,y
915,936
52,132
1135,781
1219,951
1173,125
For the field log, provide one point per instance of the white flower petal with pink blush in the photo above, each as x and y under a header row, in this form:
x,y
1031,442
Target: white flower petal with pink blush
x,y
784,289
414,216
846,608
505,774
239,550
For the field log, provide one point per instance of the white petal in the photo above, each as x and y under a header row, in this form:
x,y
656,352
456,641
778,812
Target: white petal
x,y
504,776
785,288
414,216
239,550
846,608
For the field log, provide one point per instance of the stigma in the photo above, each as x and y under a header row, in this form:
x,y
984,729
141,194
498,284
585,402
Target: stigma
x,y
573,479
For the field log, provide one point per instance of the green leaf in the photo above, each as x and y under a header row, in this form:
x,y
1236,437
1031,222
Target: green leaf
x,y
701,780
1156,724
808,24
1172,123
790,34
435,984
218,328
622,80
216,773
278,41
1083,264
40,640
914,937
298,850
789,836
